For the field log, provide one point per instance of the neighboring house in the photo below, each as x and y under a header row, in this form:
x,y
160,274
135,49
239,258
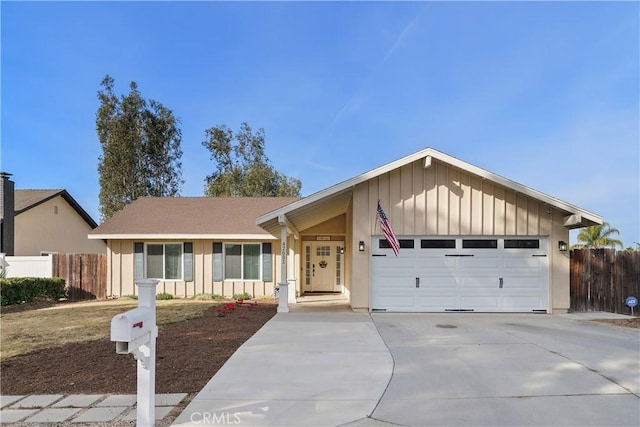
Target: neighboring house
x,y
470,240
51,221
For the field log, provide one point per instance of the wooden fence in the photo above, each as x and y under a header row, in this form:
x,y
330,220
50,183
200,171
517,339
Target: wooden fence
x,y
84,274
601,279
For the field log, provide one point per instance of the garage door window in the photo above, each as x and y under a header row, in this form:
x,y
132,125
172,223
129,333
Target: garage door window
x,y
437,243
521,244
480,244
404,244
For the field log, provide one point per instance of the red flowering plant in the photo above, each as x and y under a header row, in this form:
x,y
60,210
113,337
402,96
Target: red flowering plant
x,y
231,306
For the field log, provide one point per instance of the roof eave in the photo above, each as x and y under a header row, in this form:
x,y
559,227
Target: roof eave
x,y
587,217
39,202
186,236
342,186
70,200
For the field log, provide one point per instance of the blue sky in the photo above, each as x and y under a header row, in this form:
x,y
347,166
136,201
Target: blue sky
x,y
544,93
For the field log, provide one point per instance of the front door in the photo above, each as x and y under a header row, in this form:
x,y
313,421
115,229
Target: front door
x,y
323,265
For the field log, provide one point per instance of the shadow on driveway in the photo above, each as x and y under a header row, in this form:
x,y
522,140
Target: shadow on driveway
x,y
477,369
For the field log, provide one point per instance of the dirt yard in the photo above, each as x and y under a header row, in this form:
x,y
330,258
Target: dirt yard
x,y
631,322
189,353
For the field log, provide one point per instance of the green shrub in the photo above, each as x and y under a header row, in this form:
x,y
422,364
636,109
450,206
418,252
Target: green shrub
x,y
163,296
18,290
243,296
206,297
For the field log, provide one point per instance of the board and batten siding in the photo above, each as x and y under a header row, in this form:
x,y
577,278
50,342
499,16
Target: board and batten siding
x,y
120,273
442,200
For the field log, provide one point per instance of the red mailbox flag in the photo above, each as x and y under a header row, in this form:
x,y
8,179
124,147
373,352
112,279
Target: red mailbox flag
x,y
387,230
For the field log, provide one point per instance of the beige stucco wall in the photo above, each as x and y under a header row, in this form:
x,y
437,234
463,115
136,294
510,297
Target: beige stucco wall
x,y
120,273
443,200
55,227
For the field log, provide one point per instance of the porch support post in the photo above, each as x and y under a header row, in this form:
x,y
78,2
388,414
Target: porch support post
x,y
283,295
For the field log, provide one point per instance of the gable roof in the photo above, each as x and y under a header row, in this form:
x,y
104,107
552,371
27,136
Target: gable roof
x,y
29,199
335,199
190,217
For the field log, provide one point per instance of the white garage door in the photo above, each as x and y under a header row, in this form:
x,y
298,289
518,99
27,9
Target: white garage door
x,y
488,274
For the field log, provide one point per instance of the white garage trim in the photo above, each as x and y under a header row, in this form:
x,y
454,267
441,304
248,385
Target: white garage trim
x,y
475,273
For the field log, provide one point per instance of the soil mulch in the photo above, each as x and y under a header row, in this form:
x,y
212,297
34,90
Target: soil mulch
x,y
632,322
188,354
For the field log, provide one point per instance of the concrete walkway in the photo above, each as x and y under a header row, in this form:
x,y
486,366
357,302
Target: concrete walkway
x,y
319,365
82,409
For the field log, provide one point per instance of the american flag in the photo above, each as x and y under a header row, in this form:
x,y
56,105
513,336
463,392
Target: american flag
x,y
388,231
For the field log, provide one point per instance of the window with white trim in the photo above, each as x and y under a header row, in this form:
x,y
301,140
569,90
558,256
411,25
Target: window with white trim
x,y
164,261
242,261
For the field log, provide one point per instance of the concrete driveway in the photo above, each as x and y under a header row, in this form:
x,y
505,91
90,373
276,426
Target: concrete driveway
x,y
474,369
325,366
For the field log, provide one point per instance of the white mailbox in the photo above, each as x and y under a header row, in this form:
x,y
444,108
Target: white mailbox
x,y
135,331
133,328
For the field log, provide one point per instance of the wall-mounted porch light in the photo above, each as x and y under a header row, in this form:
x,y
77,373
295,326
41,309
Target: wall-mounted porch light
x,y
562,246
341,250
361,246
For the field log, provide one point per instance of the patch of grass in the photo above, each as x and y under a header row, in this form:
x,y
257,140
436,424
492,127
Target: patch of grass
x,y
163,296
31,330
243,296
205,297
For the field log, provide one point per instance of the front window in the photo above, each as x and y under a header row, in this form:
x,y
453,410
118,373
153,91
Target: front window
x,y
242,261
164,261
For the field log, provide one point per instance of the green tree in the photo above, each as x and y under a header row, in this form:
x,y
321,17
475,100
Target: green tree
x,y
631,248
598,236
243,168
141,151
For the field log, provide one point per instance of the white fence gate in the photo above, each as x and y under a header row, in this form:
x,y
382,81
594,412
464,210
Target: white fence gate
x,y
27,266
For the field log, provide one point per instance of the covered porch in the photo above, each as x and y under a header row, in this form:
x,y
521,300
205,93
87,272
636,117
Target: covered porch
x,y
316,249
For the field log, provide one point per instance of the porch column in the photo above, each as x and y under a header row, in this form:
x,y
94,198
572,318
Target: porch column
x,y
283,295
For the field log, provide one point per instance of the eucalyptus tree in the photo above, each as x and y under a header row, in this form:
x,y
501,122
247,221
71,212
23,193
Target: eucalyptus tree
x,y
141,150
242,167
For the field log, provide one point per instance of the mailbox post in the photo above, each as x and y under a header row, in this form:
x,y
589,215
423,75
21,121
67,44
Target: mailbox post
x,y
135,332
